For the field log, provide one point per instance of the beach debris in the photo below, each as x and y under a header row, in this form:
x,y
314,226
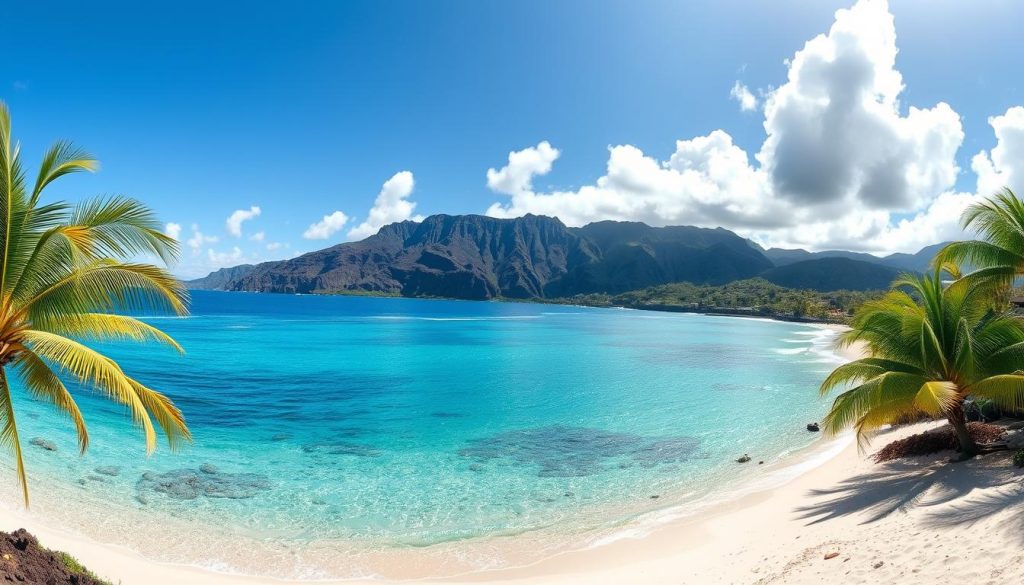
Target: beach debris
x,y
208,468
743,459
111,470
189,484
878,565
43,444
813,427
831,555
760,462
566,451
655,497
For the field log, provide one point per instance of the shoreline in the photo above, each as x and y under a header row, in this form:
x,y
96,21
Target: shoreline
x,y
122,564
119,562
842,503
717,312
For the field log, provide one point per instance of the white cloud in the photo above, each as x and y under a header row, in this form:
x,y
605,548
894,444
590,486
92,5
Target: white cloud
x,y
1004,166
517,176
198,239
173,230
222,259
273,246
234,221
742,95
258,236
392,205
326,227
839,165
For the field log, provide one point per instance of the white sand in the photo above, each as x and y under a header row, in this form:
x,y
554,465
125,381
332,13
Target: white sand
x,y
918,522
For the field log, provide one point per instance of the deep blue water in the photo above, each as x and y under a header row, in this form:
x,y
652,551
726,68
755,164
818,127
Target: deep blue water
x,y
402,421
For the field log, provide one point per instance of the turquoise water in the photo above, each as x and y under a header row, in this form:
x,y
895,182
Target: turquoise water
x,y
399,422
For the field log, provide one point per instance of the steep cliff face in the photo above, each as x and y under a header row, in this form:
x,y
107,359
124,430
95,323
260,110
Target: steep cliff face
x,y
635,255
477,257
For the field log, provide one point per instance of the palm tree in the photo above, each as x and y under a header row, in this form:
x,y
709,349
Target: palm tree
x,y
999,255
64,272
930,346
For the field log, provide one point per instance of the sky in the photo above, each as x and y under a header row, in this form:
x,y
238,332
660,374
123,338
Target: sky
x,y
259,131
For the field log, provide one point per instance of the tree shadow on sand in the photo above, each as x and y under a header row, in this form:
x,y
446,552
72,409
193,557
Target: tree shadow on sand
x,y
951,494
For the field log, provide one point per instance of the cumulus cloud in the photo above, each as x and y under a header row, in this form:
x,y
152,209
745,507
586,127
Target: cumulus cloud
x,y
392,205
326,227
173,230
517,176
198,239
746,100
273,246
222,259
235,220
840,163
1004,165
258,236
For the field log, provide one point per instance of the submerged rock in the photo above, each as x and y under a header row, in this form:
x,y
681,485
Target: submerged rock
x,y
563,451
208,468
189,484
111,470
43,444
357,449
813,427
743,459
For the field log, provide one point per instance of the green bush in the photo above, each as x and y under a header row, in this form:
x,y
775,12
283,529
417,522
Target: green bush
x,y
1018,458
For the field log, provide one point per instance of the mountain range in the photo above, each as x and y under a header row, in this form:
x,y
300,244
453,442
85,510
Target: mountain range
x,y
479,257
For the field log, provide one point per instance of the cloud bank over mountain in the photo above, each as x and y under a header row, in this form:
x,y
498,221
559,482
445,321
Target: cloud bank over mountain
x,y
842,164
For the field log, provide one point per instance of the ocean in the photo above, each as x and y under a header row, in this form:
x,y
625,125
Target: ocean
x,y
332,431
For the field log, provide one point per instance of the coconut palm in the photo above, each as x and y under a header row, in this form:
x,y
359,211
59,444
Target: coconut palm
x,y
930,345
999,255
65,273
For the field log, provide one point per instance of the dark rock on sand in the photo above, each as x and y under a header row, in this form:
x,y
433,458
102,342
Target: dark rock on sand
x,y
23,560
743,459
813,427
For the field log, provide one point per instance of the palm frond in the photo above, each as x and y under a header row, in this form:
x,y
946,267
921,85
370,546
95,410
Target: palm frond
x,y
44,384
9,433
94,369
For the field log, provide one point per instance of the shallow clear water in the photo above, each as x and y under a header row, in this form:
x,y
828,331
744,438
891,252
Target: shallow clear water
x,y
413,422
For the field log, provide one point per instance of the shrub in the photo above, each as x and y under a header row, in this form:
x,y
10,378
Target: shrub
x,y
1018,458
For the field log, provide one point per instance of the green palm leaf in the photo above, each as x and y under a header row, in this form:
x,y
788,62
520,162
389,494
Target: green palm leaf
x,y
67,273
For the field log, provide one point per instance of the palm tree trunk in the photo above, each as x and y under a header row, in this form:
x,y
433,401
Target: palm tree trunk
x,y
968,448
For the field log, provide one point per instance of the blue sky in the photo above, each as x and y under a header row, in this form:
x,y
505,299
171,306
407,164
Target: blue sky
x,y
304,109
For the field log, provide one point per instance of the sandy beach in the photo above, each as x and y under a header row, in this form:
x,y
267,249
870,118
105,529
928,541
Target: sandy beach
x,y
921,521
837,515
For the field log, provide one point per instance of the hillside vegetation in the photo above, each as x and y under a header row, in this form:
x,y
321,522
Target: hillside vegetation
x,y
754,297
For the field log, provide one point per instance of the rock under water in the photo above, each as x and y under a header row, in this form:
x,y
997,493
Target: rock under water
x,y
564,451
189,484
